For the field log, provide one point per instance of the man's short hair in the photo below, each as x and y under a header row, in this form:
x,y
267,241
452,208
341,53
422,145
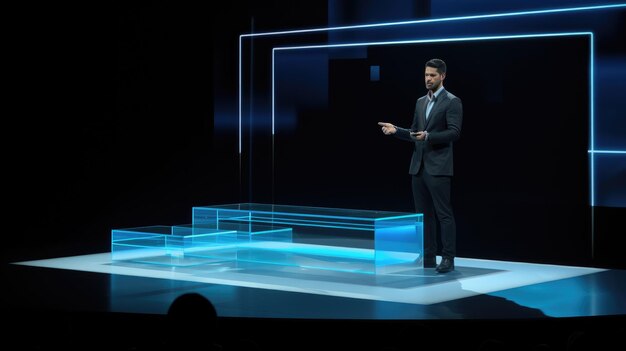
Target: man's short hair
x,y
438,64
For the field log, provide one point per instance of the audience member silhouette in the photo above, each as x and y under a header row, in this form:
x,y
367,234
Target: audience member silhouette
x,y
192,323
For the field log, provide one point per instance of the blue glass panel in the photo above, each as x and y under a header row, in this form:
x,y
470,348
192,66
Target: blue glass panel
x,y
313,237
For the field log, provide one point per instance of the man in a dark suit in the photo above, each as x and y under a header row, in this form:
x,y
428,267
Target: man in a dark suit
x,y
436,125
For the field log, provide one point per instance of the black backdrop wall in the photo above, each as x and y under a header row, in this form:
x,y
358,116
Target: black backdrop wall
x,y
111,123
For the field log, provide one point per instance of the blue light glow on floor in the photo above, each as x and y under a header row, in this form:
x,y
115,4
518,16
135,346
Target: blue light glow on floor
x,y
406,284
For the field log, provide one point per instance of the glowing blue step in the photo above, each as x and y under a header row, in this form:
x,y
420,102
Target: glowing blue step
x,y
325,238
185,245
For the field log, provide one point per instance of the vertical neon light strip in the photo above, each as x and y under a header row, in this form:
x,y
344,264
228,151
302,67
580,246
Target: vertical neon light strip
x,y
592,130
240,99
273,140
592,171
273,90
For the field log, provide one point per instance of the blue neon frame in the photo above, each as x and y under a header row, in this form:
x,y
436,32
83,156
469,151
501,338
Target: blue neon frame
x,y
401,23
592,151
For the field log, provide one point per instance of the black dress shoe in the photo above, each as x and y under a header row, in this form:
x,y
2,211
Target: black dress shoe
x,y
429,262
446,265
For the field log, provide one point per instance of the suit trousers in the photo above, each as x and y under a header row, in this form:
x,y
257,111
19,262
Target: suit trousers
x,y
431,195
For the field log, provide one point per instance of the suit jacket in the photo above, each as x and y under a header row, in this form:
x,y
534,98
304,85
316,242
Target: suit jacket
x,y
443,127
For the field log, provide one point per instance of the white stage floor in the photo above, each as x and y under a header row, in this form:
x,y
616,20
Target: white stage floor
x,y
263,290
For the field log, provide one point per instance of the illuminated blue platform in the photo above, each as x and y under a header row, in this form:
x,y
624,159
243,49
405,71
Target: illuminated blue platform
x,y
310,237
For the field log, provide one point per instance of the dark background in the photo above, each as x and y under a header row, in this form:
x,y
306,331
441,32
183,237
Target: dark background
x,y
110,124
